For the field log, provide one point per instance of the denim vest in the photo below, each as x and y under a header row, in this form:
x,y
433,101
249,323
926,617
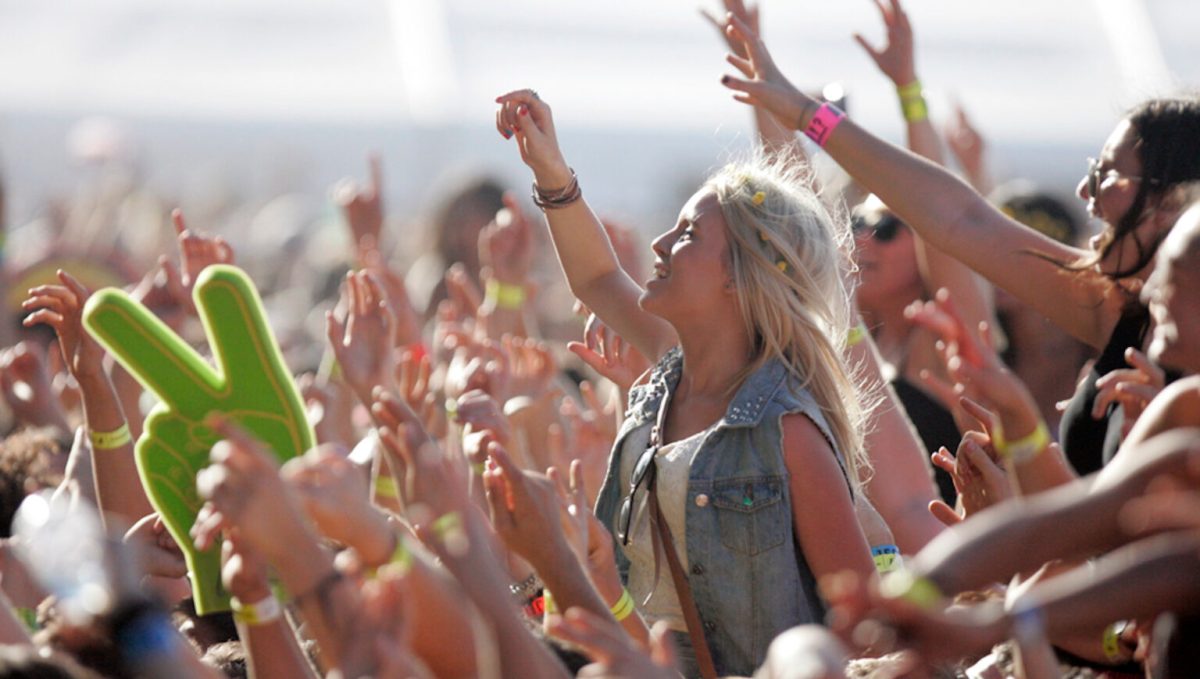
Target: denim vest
x,y
748,576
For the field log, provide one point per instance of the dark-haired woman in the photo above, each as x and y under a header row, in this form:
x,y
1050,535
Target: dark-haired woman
x,y
1092,294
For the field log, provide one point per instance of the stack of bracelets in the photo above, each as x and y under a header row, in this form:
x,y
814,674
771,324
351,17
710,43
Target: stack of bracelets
x,y
560,198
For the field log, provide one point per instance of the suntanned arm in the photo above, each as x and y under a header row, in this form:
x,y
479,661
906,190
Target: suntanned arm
x,y
587,257
823,514
1077,520
901,482
945,211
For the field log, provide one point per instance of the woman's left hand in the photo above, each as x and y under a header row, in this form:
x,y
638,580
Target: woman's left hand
x,y
764,84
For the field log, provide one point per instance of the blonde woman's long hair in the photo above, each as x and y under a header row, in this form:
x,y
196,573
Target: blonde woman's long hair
x,y
791,264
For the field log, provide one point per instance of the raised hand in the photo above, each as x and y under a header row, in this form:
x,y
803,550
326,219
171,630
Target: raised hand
x,y
523,114
975,367
749,14
334,493
160,554
161,291
27,389
61,308
969,149
198,251
506,245
610,355
526,510
978,479
395,293
362,206
895,57
589,435
615,654
1132,387
244,492
250,384
363,343
531,367
764,85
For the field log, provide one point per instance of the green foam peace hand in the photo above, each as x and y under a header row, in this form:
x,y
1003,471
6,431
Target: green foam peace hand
x,y
250,385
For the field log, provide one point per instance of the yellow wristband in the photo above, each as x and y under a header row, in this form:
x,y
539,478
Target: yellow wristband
x,y
109,440
1111,641
1023,449
918,591
914,110
624,606
503,295
548,602
913,90
258,613
385,486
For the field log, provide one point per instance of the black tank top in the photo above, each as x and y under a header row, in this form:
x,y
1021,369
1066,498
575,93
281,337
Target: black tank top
x,y
1090,443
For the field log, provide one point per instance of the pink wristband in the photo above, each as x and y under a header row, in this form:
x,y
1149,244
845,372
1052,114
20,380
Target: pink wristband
x,y
823,123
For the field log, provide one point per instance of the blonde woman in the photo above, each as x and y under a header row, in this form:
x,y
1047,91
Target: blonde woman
x,y
741,448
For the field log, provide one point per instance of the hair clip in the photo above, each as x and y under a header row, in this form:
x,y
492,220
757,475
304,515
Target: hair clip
x,y
759,197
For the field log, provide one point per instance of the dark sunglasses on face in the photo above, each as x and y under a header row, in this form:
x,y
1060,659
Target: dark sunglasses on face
x,y
882,230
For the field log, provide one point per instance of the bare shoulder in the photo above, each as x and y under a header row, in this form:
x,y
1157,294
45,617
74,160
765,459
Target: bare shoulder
x,y
803,441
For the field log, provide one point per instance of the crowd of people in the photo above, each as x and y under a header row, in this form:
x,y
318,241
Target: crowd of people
x,y
813,432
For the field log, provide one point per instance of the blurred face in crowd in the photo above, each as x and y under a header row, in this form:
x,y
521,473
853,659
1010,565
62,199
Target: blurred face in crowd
x,y
1173,295
691,263
887,261
1109,189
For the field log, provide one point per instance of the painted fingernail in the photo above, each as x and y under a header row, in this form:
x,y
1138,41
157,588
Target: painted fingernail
x,y
507,133
724,80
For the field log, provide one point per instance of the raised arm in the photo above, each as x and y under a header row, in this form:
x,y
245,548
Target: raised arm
x,y
593,272
1080,519
945,211
118,486
896,59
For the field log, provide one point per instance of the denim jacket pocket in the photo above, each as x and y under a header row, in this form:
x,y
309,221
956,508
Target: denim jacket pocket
x,y
751,514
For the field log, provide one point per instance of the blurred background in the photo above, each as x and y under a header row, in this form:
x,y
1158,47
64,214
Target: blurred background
x,y
213,104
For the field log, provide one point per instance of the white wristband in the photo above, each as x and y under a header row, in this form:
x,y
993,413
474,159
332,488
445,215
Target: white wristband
x,y
258,613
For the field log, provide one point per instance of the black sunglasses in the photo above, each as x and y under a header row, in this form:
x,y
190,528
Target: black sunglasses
x,y
882,230
644,473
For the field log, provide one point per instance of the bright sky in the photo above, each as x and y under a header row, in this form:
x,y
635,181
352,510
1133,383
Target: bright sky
x,y
1030,71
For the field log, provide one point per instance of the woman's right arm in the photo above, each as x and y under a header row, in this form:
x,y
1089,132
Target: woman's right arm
x,y
945,211
593,272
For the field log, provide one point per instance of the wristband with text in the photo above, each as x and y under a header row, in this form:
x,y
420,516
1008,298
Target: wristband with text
x,y
823,123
